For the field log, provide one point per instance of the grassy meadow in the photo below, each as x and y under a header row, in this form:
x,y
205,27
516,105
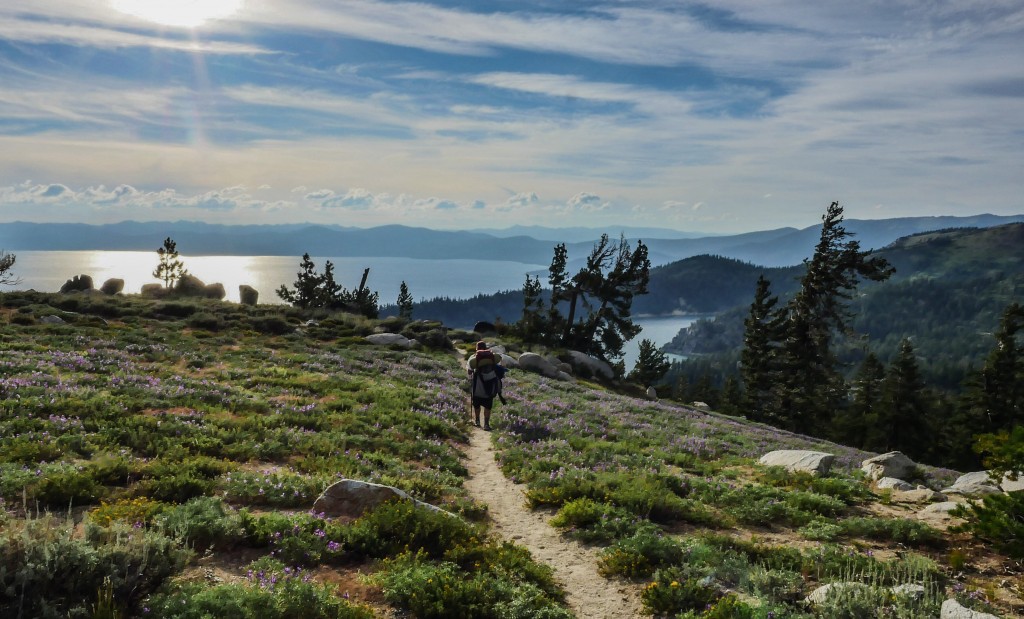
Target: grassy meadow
x,y
161,458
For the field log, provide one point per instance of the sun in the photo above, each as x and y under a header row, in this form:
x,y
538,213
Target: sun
x,y
182,13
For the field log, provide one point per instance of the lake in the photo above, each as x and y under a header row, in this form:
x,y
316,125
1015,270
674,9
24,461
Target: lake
x,y
46,271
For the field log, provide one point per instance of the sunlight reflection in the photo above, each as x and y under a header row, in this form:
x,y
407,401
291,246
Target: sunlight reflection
x,y
181,13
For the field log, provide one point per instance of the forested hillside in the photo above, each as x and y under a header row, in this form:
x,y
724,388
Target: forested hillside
x,y
947,294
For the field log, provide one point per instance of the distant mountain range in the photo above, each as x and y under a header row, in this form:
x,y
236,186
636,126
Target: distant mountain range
x,y
525,244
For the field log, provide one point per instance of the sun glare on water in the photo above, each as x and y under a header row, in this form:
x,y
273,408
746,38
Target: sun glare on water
x,y
181,13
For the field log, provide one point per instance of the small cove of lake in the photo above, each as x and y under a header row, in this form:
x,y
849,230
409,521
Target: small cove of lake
x,y
46,271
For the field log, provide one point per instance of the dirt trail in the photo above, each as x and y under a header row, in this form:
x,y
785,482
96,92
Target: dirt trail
x,y
590,595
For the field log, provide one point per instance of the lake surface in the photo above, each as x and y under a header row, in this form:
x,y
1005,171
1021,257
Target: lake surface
x,y
46,271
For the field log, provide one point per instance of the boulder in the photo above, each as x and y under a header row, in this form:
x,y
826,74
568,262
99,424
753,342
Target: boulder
x,y
1012,485
510,362
52,320
156,291
813,462
586,366
485,328
917,495
389,339
78,283
190,286
973,484
532,362
951,609
893,484
652,394
247,295
892,464
112,286
214,291
351,498
833,590
704,406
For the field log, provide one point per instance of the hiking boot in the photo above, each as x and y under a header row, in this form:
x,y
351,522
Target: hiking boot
x,y
476,423
487,427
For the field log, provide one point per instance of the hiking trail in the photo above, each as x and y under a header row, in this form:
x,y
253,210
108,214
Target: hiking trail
x,y
590,595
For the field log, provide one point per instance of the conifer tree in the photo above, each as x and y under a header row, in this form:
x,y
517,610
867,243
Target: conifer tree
x,y
307,286
812,387
998,394
902,416
6,262
531,325
759,363
404,302
651,364
170,268
855,426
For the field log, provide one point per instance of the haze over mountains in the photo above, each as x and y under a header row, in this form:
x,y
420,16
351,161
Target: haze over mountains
x,y
527,244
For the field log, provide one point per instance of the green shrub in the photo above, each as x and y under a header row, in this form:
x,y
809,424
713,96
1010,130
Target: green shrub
x,y
998,520
271,325
899,530
440,590
206,320
396,526
672,592
296,539
202,522
51,570
131,511
271,591
590,521
176,309
640,555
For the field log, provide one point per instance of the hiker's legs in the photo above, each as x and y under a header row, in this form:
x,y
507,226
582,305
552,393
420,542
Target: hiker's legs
x,y
487,418
476,414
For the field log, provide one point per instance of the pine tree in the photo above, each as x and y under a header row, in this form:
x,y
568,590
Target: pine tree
x,y
651,365
404,302
759,356
902,415
6,262
170,268
999,395
307,293
531,325
856,427
812,387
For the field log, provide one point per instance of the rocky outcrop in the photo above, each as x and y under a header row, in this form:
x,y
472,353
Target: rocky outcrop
x,y
485,328
52,320
532,362
917,495
951,609
892,464
190,286
813,462
214,291
892,483
156,291
112,286
978,483
389,339
586,366
247,295
78,283
351,498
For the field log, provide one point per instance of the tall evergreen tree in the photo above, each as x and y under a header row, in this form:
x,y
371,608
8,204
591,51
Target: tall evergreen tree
x,y
170,268
999,394
307,286
902,416
404,302
812,387
759,363
651,364
854,427
6,262
599,297
531,325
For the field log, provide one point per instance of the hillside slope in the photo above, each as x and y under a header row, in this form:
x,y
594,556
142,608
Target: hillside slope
x,y
180,424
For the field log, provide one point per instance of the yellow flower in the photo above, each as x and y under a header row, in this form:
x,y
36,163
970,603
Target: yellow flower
x,y
674,583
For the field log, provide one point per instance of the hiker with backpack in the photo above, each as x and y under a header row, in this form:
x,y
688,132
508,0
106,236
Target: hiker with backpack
x,y
485,375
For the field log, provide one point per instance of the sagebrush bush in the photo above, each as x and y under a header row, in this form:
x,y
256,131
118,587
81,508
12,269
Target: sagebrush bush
x,y
202,522
398,526
640,555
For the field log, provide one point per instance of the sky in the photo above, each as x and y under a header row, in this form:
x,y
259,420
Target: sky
x,y
720,117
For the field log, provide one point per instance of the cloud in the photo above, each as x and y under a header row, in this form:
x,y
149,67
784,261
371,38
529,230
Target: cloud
x,y
355,199
522,199
320,194
585,201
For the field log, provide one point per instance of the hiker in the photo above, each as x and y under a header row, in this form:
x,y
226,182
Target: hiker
x,y
485,382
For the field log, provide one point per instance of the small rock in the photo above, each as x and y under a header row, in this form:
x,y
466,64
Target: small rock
x,y
52,320
978,483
